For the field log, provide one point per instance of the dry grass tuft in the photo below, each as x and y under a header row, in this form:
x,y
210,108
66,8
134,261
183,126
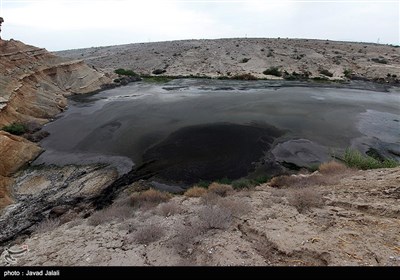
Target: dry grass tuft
x,y
47,225
220,189
236,207
186,238
148,234
149,198
169,208
332,167
215,217
210,198
305,198
195,192
109,214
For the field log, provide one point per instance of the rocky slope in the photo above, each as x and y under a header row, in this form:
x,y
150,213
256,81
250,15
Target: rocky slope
x,y
351,219
34,85
230,57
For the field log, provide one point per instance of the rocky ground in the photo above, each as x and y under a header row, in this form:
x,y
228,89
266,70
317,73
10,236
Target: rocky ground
x,y
230,57
347,218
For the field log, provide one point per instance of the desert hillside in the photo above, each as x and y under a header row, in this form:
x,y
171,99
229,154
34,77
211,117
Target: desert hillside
x,y
293,58
332,217
34,85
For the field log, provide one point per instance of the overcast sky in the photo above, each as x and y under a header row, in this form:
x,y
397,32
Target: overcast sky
x,y
68,24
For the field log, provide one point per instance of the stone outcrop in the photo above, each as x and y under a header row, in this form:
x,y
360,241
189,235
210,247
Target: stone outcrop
x,y
34,85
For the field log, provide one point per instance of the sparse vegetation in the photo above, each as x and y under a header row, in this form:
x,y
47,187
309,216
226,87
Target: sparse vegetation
x,y
203,184
348,73
245,60
125,72
149,198
332,167
148,234
169,208
355,159
115,212
225,181
220,189
215,217
195,192
15,128
305,198
242,183
274,71
47,225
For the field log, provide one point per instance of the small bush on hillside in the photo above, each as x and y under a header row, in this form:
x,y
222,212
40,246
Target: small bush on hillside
x,y
124,72
220,189
215,217
274,71
149,198
15,128
148,234
169,208
114,212
332,167
305,198
195,192
242,183
159,71
47,225
301,181
348,73
225,181
354,158
244,60
261,179
203,184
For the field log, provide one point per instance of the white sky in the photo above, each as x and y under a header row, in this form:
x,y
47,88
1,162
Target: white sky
x,y
68,24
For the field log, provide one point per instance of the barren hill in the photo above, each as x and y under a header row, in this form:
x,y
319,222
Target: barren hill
x,y
294,58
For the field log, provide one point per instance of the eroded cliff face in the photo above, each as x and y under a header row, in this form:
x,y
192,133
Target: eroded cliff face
x,y
34,85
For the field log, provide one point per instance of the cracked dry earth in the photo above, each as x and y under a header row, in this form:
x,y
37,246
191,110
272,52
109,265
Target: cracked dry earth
x,y
357,224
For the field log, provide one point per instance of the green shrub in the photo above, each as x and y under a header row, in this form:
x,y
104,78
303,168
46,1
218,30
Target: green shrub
x,y
242,183
348,73
261,179
124,72
355,159
274,71
224,181
157,79
15,128
203,184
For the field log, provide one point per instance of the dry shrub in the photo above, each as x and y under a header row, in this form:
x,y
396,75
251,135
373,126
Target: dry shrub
x,y
149,198
301,181
332,167
170,208
210,198
215,217
186,238
47,225
220,189
113,212
235,207
195,192
148,234
305,198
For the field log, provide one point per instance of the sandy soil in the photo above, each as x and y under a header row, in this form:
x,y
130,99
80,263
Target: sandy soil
x,y
355,223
